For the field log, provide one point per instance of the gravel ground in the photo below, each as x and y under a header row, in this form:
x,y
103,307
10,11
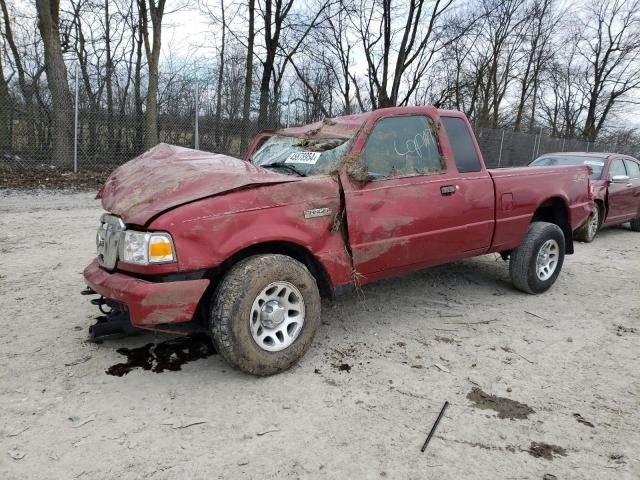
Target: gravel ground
x,y
537,385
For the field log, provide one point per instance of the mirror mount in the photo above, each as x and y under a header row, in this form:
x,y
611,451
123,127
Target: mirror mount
x,y
619,179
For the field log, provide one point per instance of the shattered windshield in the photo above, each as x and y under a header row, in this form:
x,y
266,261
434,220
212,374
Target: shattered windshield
x,y
300,155
596,164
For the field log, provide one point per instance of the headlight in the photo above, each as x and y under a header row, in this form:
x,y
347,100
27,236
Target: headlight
x,y
143,248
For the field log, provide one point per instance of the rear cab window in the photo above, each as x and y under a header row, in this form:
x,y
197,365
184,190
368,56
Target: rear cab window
x,y
464,151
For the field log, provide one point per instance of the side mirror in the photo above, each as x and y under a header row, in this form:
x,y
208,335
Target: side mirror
x,y
619,179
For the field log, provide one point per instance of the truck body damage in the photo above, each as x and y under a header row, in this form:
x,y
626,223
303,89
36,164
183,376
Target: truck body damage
x,y
345,225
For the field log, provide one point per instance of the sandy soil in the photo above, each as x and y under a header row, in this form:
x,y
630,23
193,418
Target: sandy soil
x,y
537,385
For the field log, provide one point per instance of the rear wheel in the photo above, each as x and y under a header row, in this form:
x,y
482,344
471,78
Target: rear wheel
x,y
589,230
265,313
535,265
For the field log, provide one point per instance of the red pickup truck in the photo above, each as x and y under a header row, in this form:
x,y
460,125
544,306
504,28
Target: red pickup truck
x,y
246,248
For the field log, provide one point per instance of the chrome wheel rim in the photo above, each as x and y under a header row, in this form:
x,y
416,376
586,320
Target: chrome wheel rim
x,y
594,223
277,316
547,260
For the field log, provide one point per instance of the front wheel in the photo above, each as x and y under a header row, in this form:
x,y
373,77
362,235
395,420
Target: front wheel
x,y
535,265
635,225
265,313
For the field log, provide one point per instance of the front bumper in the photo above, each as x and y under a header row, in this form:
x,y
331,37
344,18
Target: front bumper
x,y
148,303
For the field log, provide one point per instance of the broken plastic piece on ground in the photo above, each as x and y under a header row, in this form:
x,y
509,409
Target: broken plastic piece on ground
x,y
115,324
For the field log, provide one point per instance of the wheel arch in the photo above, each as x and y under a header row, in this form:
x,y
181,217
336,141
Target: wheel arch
x,y
555,210
290,249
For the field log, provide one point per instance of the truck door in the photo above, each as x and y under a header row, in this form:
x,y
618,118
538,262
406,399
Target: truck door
x,y
415,209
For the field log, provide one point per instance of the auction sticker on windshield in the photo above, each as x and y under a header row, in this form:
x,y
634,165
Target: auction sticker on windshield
x,y
310,158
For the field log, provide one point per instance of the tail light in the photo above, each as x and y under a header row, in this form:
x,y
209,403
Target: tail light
x,y
591,195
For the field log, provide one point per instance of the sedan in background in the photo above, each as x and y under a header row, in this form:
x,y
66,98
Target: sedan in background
x,y
616,185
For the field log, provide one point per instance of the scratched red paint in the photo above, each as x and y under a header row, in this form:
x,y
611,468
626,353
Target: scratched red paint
x,y
215,206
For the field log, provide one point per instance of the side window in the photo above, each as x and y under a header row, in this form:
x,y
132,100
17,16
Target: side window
x,y
401,146
617,168
633,168
464,152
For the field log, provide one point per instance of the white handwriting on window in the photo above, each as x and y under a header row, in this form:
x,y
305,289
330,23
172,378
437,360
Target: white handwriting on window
x,y
417,144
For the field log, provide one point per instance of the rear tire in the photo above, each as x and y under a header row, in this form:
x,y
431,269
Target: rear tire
x,y
265,313
635,225
587,233
535,265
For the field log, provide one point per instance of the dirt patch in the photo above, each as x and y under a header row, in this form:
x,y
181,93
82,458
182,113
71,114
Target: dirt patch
x,y
47,177
168,355
343,367
382,408
582,420
440,339
546,451
621,330
505,407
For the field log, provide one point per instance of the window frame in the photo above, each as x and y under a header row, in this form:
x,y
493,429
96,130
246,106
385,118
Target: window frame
x,y
613,160
634,162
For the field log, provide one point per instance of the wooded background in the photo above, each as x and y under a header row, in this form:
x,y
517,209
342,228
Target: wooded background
x,y
550,74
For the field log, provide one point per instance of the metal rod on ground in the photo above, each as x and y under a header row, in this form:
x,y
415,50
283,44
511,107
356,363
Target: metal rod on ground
x,y
433,429
197,126
501,143
75,128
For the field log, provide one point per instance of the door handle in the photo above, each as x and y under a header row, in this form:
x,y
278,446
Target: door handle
x,y
446,190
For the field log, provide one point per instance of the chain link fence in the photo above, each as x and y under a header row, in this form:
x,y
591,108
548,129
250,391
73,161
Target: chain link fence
x,y
504,148
106,134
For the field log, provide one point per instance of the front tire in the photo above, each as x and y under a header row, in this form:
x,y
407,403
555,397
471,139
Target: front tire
x,y
635,225
265,313
587,233
535,265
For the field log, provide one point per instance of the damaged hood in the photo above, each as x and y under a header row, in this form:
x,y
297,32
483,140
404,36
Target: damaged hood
x,y
168,176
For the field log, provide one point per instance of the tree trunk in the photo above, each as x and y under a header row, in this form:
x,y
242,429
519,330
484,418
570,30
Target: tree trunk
x,y
271,45
26,87
152,49
48,23
263,113
151,113
218,124
138,141
6,111
108,73
248,82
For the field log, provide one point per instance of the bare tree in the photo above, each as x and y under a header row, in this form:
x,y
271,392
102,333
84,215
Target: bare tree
x,y
610,46
401,51
275,15
5,111
153,10
26,82
540,28
49,25
248,78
